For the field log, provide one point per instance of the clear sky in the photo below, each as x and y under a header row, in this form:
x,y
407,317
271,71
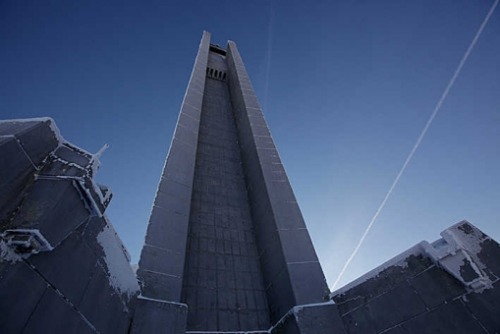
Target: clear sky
x,y
346,87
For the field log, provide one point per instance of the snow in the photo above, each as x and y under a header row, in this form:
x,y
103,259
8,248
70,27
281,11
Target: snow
x,y
121,277
161,301
29,239
7,254
397,261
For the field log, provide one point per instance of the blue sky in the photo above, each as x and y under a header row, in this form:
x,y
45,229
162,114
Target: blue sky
x,y
346,87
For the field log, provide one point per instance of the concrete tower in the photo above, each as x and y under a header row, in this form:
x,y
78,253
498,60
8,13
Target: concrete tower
x,y
226,236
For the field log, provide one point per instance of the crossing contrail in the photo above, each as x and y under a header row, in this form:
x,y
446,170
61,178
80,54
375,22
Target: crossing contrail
x,y
417,143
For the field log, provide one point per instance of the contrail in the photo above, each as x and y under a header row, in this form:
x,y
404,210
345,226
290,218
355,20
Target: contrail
x,y
417,143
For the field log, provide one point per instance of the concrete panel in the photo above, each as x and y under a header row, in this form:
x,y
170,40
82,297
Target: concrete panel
x,y
398,305
449,318
485,307
20,292
36,137
381,283
15,173
101,303
162,260
72,155
435,286
53,207
319,319
359,321
159,286
156,316
287,325
297,245
54,315
68,267
308,282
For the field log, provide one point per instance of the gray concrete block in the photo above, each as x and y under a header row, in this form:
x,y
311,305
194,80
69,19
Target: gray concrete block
x,y
358,321
449,318
190,115
170,233
55,208
21,289
72,155
58,168
287,325
280,296
170,202
181,191
101,302
185,134
15,174
398,305
435,286
158,286
156,316
319,319
68,267
54,315
162,260
308,282
485,307
382,282
37,138
297,245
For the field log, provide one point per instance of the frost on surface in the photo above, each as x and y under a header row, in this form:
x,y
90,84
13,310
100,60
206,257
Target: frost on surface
x,y
458,253
20,244
7,254
121,276
399,262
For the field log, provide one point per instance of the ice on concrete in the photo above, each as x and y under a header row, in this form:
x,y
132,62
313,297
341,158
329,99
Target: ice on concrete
x,y
121,276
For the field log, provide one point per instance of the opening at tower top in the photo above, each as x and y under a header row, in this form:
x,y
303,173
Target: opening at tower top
x,y
217,49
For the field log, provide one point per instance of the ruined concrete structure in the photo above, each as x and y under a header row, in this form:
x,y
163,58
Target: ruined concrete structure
x,y
226,249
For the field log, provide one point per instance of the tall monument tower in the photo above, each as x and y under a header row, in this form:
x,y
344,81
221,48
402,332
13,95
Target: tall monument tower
x,y
226,236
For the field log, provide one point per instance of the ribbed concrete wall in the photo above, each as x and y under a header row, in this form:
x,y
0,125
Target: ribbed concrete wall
x,y
223,284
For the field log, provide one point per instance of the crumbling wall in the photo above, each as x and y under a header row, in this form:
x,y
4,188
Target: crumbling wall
x,y
63,268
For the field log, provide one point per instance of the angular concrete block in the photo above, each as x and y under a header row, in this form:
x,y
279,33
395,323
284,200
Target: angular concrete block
x,y
21,289
101,302
55,208
54,314
449,318
162,260
398,305
159,286
319,319
308,282
435,286
69,266
15,173
157,316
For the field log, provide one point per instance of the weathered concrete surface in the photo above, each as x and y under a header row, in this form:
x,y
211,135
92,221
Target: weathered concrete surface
x,y
63,269
159,316
291,270
429,289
